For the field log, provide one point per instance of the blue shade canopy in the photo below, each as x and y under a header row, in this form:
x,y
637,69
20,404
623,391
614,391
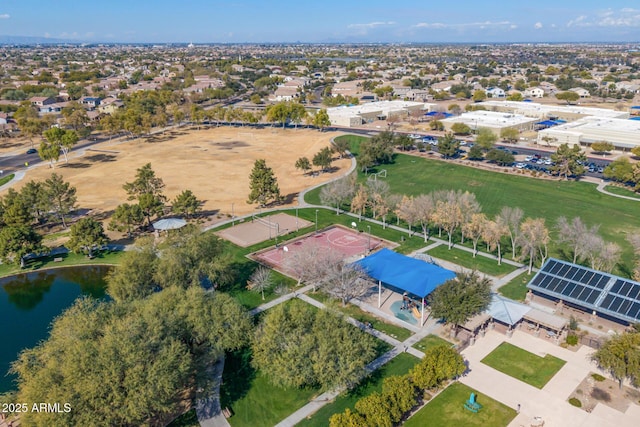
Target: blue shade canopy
x,y
409,274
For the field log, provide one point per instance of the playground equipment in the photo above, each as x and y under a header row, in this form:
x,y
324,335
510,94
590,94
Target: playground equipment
x,y
471,404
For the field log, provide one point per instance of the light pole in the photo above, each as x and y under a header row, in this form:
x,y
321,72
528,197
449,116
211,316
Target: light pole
x,y
277,232
316,221
297,219
233,217
369,239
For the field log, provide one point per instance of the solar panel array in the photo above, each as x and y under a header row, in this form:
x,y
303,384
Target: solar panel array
x,y
588,288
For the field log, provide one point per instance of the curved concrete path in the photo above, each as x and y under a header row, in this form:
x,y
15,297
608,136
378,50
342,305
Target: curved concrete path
x,y
602,188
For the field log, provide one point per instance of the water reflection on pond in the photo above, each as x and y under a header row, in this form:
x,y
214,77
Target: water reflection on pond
x,y
29,302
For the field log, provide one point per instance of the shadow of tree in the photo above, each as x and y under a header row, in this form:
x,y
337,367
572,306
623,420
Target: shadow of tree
x,y
237,377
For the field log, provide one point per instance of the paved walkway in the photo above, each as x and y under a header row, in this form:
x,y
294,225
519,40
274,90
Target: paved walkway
x,y
550,402
208,402
602,188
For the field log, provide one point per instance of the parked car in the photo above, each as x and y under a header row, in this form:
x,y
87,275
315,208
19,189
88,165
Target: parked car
x,y
32,151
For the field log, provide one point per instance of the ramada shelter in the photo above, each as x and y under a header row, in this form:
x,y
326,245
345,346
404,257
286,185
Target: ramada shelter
x,y
411,275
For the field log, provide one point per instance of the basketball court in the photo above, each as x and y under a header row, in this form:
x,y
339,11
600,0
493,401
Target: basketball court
x,y
258,229
348,243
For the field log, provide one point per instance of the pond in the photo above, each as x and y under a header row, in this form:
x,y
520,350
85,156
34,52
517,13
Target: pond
x,y
29,302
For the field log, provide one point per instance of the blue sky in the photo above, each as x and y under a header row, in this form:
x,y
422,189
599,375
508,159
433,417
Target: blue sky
x,y
214,21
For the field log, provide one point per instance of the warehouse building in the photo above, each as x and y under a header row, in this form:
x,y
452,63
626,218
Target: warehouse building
x,y
491,120
623,134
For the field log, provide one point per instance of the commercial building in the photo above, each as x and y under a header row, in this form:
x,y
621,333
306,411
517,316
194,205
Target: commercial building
x,y
543,111
350,116
623,134
496,121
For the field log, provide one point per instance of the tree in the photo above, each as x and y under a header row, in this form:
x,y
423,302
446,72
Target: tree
x,y
404,141
49,152
62,196
635,151
263,184
35,196
459,299
323,158
424,207
511,218
303,164
510,135
376,410
620,356
133,278
475,153
260,280
436,125
400,392
448,146
338,192
345,281
376,150
448,215
568,96
486,139
603,147
533,240
501,157
297,345
152,351
341,146
479,95
147,189
297,113
69,139
440,363
279,112
347,419
16,212
406,210
576,234
460,129
126,218
187,204
474,229
568,161
87,235
620,170
492,234
16,242
191,258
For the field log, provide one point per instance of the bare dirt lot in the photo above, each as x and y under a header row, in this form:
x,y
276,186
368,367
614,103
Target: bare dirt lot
x,y
213,163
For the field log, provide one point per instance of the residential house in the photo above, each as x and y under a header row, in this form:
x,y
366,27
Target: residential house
x,y
495,92
534,92
40,101
90,102
582,92
110,105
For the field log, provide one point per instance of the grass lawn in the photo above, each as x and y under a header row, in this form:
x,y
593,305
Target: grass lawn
x,y
522,365
538,198
622,191
104,257
465,259
516,289
6,179
253,399
447,410
357,313
431,341
399,365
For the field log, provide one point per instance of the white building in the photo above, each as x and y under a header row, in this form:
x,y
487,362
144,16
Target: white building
x,y
496,121
623,134
544,112
366,113
534,92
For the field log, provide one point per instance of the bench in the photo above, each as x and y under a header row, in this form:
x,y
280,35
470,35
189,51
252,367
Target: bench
x,y
57,260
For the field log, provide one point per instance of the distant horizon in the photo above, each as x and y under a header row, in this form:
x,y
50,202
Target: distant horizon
x,y
327,22
29,40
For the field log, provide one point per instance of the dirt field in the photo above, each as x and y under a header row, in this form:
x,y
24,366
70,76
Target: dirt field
x,y
214,163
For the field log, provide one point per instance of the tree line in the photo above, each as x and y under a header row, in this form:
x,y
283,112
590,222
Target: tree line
x,y
459,213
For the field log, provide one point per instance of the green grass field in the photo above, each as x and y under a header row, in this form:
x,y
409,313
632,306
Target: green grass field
x,y
622,191
522,365
430,341
252,398
68,259
447,410
547,199
516,289
465,259
399,365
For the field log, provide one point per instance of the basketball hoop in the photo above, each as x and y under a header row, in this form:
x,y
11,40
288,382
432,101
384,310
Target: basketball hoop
x,y
285,249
